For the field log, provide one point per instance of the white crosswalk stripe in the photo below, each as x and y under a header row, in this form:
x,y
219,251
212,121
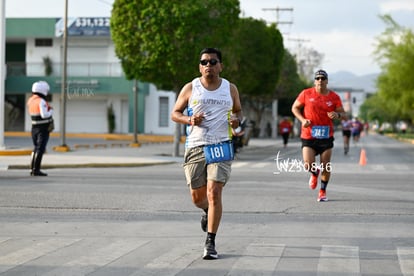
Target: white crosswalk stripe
x,y
406,260
106,256
339,260
171,262
85,264
258,259
37,249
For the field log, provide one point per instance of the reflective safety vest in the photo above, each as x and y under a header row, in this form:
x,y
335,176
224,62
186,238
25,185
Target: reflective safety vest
x,y
34,106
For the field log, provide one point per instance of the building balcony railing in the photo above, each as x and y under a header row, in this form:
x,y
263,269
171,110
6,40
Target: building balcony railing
x,y
95,69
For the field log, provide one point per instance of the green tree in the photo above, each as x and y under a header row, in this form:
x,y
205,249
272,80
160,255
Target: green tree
x,y
254,62
375,109
395,54
290,84
159,41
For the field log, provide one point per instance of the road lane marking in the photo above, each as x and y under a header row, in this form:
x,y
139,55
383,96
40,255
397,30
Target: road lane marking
x,y
406,260
239,164
260,165
34,251
88,263
258,259
172,262
339,260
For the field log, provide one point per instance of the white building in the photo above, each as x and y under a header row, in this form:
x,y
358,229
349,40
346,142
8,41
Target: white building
x,y
96,84
352,99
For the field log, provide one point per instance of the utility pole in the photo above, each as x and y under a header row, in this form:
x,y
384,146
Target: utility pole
x,y
278,10
299,54
275,103
64,78
135,142
64,86
299,41
2,69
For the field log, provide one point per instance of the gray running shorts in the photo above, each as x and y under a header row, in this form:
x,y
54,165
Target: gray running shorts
x,y
197,172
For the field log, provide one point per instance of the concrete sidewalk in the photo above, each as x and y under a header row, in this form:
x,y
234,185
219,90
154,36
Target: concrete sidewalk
x,y
145,155
94,152
21,143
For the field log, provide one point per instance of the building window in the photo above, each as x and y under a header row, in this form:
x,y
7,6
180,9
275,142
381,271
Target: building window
x,y
43,42
164,114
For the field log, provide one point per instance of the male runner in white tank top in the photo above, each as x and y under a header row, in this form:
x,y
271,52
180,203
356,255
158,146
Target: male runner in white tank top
x,y
213,108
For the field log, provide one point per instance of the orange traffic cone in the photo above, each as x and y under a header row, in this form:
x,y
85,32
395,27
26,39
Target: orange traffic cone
x,y
363,158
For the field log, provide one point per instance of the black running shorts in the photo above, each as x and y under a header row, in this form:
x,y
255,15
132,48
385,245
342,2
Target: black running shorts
x,y
319,145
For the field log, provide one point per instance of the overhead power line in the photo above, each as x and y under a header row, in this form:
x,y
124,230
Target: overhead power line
x,y
278,11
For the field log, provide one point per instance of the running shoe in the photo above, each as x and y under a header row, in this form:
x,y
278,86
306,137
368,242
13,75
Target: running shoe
x,y
210,252
322,196
313,180
204,222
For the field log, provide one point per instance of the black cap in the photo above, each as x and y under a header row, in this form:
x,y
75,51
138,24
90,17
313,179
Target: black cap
x,y
322,73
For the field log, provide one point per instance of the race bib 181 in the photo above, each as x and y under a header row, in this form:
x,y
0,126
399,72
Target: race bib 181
x,y
219,152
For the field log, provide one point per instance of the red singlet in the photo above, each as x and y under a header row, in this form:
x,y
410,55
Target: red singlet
x,y
316,107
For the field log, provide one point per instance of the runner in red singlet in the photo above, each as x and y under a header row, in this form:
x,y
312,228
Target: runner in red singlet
x,y
316,108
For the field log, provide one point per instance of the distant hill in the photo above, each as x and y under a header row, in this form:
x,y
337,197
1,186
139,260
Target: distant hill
x,y
350,80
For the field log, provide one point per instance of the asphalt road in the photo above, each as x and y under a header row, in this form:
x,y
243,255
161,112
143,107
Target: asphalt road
x,y
140,221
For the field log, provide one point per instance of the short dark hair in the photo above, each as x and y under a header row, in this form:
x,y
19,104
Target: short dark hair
x,y
211,51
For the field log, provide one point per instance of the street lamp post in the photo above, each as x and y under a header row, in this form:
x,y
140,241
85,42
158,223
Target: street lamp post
x,y
135,142
2,69
64,87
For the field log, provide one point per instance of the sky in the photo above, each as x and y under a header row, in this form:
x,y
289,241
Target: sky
x,y
344,31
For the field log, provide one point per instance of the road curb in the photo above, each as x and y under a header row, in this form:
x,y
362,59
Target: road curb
x,y
91,165
142,138
15,152
129,138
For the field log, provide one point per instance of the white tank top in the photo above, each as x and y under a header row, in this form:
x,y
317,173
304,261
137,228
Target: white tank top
x,y
216,106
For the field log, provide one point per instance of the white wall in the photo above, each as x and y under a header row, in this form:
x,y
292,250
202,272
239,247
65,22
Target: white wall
x,y
98,53
360,96
152,112
88,114
35,55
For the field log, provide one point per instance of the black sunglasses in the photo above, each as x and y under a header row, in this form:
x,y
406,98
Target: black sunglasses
x,y
320,78
212,61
